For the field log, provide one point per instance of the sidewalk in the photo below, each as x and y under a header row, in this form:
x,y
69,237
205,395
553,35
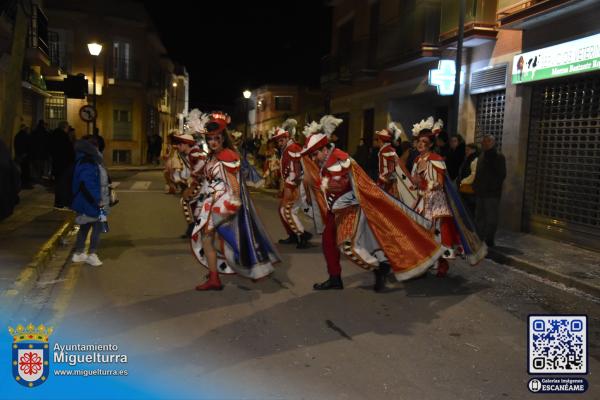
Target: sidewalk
x,y
28,238
556,261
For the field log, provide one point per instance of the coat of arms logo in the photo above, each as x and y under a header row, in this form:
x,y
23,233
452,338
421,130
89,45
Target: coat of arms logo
x,y
30,354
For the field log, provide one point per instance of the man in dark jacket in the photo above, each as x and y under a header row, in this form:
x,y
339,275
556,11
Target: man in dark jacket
x,y
63,157
23,155
456,156
490,174
39,153
9,182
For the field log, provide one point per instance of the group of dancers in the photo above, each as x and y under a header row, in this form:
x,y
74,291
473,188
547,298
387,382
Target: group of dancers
x,y
404,224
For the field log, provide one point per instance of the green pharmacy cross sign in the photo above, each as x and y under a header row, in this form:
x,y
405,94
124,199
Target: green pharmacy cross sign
x,y
570,58
443,77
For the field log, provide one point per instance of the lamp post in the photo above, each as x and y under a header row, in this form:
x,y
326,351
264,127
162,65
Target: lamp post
x,y
247,95
95,50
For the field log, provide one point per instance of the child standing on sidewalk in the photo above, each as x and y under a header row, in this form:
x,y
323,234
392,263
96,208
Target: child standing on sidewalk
x,y
90,198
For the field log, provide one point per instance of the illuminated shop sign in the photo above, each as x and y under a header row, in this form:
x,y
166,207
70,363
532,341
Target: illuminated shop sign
x,y
575,57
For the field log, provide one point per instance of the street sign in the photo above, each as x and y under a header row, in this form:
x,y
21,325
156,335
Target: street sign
x,y
87,113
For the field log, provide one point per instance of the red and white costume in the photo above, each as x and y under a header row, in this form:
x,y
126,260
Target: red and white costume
x,y
290,167
393,175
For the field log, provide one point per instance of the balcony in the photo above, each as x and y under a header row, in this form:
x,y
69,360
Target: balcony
x,y
480,22
525,14
411,39
125,70
37,39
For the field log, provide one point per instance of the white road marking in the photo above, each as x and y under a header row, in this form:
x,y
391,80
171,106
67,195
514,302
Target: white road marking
x,y
141,185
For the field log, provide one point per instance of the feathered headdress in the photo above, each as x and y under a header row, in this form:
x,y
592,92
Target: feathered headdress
x,y
319,140
329,123
311,128
289,125
424,124
196,122
391,133
437,127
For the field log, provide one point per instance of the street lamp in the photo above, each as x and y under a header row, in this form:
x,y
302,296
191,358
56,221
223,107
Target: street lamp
x,y
95,50
247,95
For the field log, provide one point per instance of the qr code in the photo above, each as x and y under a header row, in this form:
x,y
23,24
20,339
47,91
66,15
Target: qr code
x,y
557,344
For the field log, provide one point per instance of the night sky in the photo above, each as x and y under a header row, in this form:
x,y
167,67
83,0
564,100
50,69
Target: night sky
x,y
228,46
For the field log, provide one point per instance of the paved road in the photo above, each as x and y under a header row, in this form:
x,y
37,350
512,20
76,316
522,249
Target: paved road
x,y
462,337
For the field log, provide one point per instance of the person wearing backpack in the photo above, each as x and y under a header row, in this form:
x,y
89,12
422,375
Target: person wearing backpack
x,y
91,199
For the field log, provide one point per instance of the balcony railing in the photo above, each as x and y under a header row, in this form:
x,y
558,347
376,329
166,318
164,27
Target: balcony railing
x,y
124,69
480,20
38,31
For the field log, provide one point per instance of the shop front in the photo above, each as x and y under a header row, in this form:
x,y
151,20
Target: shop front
x,y
562,177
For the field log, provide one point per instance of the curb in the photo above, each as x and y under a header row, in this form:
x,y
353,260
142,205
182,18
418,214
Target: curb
x,y
32,271
539,270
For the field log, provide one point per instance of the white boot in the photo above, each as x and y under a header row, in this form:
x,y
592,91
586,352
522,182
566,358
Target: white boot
x,y
93,260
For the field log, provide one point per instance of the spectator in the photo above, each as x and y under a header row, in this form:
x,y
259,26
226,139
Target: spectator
x,y
90,198
72,136
40,155
99,140
372,165
63,157
489,176
456,156
22,155
466,176
441,144
9,182
155,148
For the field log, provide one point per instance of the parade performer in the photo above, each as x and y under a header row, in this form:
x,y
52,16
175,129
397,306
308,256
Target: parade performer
x,y
176,171
313,201
440,203
376,231
195,156
291,178
393,175
228,227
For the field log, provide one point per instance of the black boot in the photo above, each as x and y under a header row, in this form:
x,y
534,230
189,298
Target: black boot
x,y
303,242
292,239
380,276
334,282
188,232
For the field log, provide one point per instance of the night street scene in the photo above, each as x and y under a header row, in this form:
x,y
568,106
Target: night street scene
x,y
317,199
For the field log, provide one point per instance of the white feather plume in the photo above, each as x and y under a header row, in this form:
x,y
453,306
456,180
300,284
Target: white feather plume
x,y
395,132
290,126
439,124
311,128
329,123
196,121
424,124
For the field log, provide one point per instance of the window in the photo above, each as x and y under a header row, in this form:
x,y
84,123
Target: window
x,y
122,60
283,103
55,110
122,121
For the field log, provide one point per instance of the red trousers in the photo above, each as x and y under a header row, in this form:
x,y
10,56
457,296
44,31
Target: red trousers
x,y
330,248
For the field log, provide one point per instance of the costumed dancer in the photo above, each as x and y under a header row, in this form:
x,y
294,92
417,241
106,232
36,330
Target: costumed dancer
x,y
393,174
439,202
291,178
195,157
313,200
376,231
228,231
177,170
